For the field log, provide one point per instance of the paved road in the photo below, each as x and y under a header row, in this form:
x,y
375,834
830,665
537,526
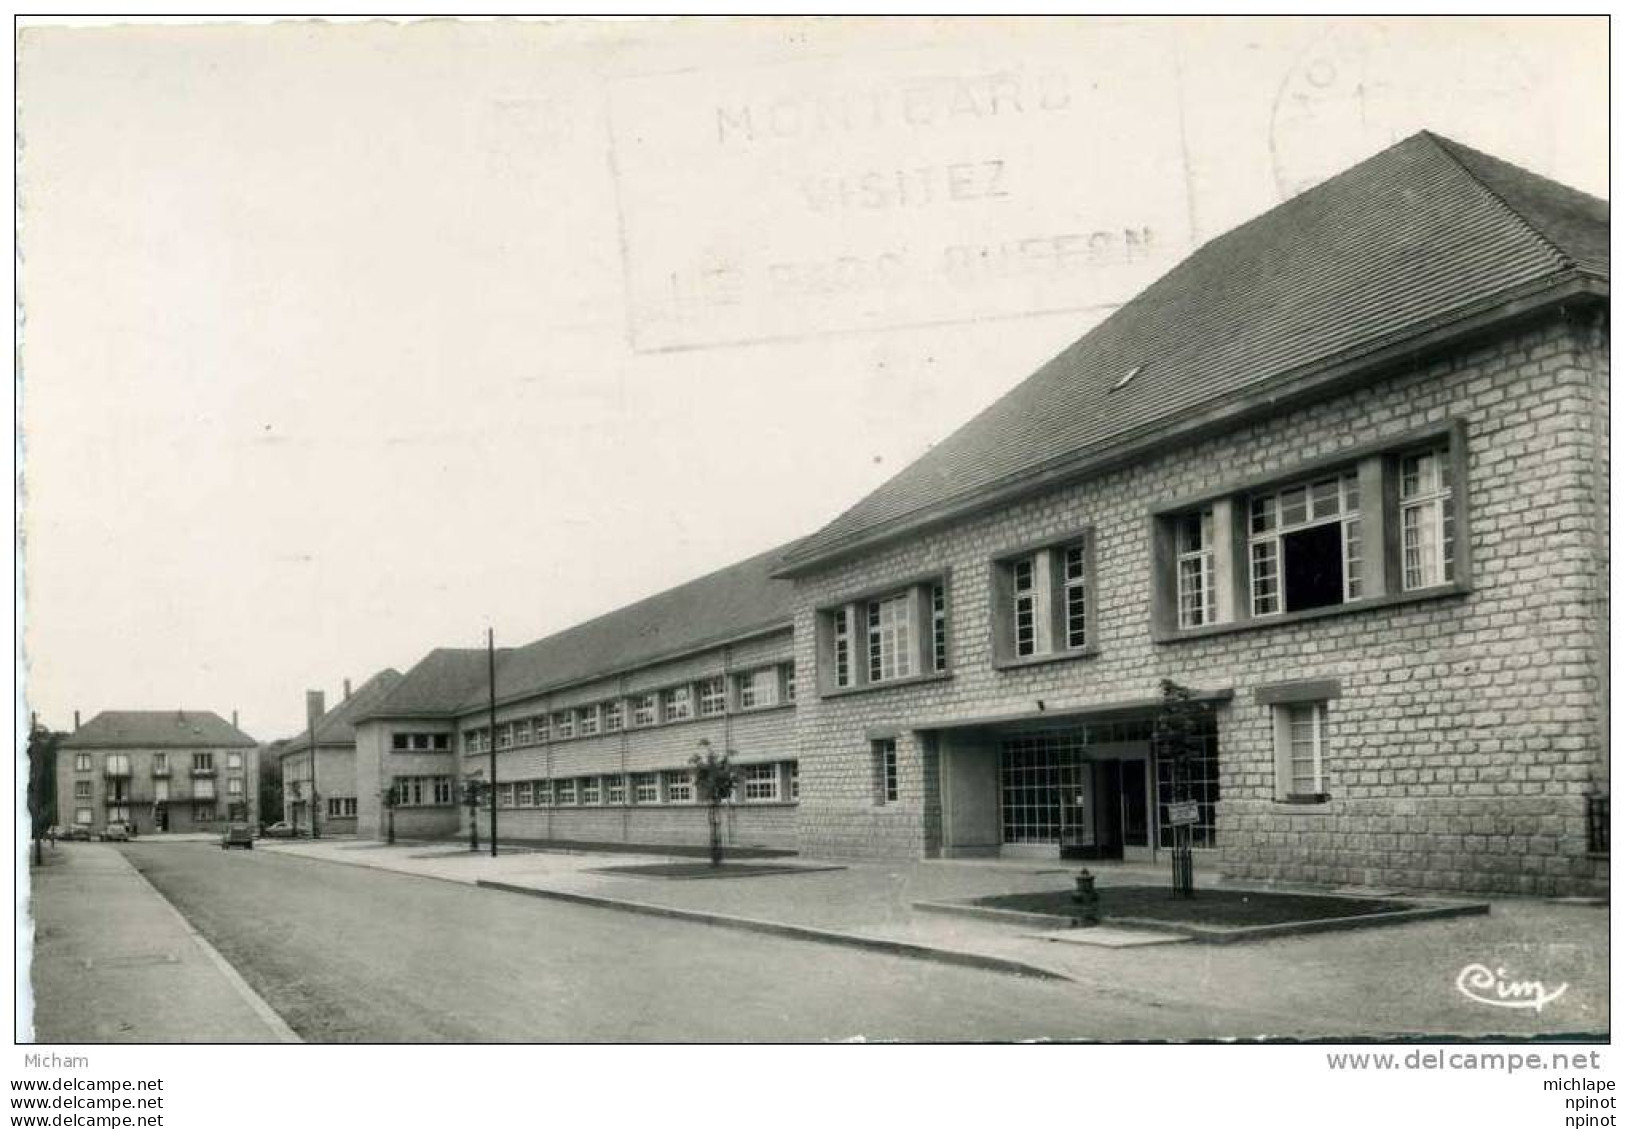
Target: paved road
x,y
346,954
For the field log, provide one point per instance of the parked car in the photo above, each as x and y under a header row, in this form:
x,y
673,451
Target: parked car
x,y
281,829
238,835
115,833
76,832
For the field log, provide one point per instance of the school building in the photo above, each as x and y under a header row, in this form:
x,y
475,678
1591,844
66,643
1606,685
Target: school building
x,y
318,765
1342,473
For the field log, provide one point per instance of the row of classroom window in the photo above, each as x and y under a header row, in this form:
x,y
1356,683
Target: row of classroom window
x,y
119,763
1300,547
759,783
715,696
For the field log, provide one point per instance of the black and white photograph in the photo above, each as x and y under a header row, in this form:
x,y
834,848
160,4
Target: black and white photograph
x,y
794,530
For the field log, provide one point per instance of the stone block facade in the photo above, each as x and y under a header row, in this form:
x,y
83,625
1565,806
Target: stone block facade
x,y
1467,727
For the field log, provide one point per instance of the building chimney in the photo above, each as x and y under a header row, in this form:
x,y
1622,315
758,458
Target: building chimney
x,y
234,719
346,689
315,706
76,721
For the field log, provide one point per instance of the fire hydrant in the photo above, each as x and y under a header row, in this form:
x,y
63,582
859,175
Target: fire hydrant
x,y
1086,898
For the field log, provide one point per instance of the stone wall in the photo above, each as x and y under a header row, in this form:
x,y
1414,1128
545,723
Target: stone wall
x,y
1467,727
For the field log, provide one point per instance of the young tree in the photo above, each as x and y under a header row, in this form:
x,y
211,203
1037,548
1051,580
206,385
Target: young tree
x,y
1177,733
474,790
715,780
42,744
392,800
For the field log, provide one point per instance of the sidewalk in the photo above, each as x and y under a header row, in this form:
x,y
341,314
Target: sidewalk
x,y
1393,980
114,962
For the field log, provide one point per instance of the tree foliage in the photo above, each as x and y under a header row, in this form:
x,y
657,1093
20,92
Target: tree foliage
x,y
716,779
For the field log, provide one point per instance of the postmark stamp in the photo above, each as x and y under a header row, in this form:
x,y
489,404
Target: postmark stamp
x,y
886,189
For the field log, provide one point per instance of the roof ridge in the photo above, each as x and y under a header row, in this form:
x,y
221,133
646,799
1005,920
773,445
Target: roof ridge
x,y
1448,147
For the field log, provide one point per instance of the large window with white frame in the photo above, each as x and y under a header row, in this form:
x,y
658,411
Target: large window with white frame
x,y
587,721
646,788
81,762
1366,531
523,795
939,630
1305,545
542,727
713,696
1193,534
840,621
1043,603
564,724
676,703
891,638
644,709
541,793
887,637
564,793
1427,523
615,789
613,715
761,782
679,786
758,689
590,791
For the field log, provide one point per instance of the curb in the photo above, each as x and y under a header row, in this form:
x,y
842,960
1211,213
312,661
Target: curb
x,y
992,913
908,949
1216,935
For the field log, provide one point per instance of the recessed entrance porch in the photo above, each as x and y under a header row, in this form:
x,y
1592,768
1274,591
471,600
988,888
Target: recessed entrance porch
x,y
1065,787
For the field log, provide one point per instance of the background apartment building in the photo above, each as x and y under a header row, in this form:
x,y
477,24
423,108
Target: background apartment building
x,y
156,770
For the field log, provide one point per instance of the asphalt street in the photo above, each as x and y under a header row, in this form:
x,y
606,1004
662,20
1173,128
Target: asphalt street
x,y
351,955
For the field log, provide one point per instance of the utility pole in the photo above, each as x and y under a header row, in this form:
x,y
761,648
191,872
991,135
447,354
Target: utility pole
x,y
491,667
313,709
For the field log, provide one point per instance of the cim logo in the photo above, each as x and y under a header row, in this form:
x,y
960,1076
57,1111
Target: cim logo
x,y
1484,985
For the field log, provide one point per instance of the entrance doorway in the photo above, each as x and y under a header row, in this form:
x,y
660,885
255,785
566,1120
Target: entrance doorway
x,y
1078,799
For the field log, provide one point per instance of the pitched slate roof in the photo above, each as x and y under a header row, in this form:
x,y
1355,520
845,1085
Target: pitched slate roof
x,y
736,601
158,729
337,725
1424,235
440,680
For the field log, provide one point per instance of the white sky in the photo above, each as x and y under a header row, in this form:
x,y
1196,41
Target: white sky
x,y
343,342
